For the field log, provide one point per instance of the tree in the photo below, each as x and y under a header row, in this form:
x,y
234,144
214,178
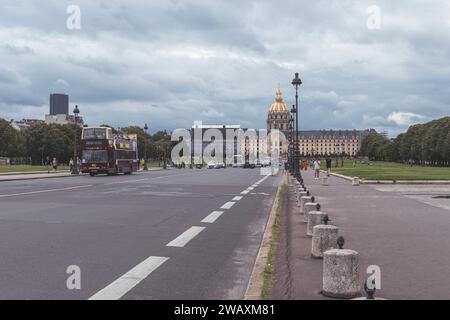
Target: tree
x,y
12,142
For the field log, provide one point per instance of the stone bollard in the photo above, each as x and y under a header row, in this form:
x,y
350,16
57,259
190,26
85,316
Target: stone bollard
x,y
324,181
304,200
310,206
300,195
340,272
355,181
324,238
314,218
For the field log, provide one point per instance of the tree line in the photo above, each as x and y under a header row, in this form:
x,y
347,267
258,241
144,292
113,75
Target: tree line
x,y
422,144
54,140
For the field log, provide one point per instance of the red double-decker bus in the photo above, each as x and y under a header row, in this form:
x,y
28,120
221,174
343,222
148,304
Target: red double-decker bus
x,y
105,152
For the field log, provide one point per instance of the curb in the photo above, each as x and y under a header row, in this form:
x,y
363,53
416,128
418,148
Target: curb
x,y
436,182
255,283
6,174
35,178
30,175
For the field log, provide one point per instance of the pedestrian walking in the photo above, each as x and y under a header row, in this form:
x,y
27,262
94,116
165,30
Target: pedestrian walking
x,y
71,165
316,167
78,164
55,164
48,163
328,162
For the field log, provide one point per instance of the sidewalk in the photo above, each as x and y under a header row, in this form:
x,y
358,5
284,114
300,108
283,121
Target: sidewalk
x,y
406,238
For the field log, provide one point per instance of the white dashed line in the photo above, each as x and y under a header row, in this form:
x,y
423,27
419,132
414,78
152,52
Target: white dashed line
x,y
250,188
237,198
185,237
212,217
227,205
129,280
245,192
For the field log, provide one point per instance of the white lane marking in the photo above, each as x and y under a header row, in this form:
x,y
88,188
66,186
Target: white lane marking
x,y
262,180
237,198
250,188
212,217
126,181
129,280
43,191
245,192
227,205
185,237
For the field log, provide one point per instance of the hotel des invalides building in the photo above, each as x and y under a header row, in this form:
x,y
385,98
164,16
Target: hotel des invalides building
x,y
312,142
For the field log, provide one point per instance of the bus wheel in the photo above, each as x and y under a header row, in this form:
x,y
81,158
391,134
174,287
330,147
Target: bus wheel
x,y
91,174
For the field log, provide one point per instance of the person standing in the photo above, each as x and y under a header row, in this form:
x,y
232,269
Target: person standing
x,y
328,162
78,164
48,163
316,167
71,165
55,164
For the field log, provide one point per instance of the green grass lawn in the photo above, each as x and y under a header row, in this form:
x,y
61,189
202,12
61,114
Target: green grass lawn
x,y
26,168
379,170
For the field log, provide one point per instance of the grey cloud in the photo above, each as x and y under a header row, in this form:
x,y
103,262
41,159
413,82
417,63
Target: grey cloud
x,y
170,62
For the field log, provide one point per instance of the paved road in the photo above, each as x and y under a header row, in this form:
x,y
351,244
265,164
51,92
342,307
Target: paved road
x,y
151,235
403,229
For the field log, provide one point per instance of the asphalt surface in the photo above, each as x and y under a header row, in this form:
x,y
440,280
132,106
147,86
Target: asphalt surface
x,y
133,237
403,229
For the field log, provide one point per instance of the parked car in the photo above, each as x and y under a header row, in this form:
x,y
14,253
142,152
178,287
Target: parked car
x,y
199,165
211,165
249,165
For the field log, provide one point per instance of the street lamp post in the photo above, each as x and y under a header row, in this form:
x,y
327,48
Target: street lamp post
x,y
296,82
294,147
291,143
145,148
75,169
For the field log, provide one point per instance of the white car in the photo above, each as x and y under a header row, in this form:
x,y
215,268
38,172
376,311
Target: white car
x,y
211,165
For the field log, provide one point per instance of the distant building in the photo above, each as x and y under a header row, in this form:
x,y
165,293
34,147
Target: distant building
x,y
32,122
332,142
19,126
253,144
313,142
59,111
59,104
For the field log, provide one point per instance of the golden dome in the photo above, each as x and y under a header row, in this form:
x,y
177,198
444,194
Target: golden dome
x,y
278,105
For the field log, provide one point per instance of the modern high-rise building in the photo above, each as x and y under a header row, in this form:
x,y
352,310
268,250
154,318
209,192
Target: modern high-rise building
x,y
59,111
59,104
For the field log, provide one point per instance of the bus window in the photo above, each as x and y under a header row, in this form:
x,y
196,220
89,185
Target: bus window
x,y
94,156
94,133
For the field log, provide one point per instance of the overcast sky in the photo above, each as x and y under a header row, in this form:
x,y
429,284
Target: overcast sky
x,y
169,63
